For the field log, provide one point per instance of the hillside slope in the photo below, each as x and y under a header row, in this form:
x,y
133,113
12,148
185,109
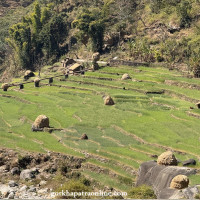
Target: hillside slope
x,y
144,121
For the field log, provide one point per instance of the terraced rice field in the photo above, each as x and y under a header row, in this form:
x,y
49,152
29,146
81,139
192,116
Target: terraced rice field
x,y
149,116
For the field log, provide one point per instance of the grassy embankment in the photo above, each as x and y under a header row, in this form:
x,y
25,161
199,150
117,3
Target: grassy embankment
x,y
122,136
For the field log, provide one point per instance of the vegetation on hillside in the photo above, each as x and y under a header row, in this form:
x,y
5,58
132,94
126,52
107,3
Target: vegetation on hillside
x,y
148,30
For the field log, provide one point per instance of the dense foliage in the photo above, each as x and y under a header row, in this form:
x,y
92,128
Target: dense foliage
x,y
38,36
157,30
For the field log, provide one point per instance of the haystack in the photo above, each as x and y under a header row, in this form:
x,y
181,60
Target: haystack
x,y
84,137
50,80
167,158
37,82
198,105
5,86
95,57
126,77
179,182
29,73
41,121
108,101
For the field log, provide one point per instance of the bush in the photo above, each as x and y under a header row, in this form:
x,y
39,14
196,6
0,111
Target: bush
x,y
142,192
183,10
74,186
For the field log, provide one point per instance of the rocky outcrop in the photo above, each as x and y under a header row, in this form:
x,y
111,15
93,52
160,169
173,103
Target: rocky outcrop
x,y
18,169
189,162
160,178
29,174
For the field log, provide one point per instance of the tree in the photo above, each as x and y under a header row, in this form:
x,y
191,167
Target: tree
x,y
53,34
91,24
183,11
38,36
20,41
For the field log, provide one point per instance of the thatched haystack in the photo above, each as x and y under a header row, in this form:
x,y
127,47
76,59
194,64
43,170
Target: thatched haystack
x,y
41,122
125,77
5,86
95,57
37,82
198,105
108,101
179,182
21,86
167,158
84,137
29,73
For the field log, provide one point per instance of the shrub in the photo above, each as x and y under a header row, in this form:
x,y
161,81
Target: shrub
x,y
142,192
183,10
74,186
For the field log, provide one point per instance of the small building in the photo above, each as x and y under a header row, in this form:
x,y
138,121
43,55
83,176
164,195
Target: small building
x,y
76,68
67,61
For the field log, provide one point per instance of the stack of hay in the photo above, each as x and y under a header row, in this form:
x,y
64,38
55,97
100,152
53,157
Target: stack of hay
x,y
40,123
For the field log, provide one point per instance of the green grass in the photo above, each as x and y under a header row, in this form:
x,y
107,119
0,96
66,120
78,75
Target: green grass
x,y
138,126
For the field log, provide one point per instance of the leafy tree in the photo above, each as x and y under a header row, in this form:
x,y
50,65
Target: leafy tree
x,y
53,34
91,24
38,36
20,41
183,11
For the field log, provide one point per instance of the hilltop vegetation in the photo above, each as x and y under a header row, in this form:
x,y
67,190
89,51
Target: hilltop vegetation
x,y
148,30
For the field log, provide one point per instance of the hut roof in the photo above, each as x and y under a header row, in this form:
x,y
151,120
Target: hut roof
x,y
75,66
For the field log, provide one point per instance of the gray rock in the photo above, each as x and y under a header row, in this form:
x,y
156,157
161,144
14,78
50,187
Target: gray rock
x,y
11,195
23,188
42,183
189,162
3,169
160,177
28,174
5,190
12,184
15,171
32,189
43,191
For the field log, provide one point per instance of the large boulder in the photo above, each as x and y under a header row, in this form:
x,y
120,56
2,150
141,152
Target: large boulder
x,y
179,182
15,171
160,177
189,162
29,174
126,77
167,158
108,101
42,121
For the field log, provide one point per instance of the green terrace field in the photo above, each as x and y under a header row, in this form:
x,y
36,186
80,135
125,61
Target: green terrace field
x,y
148,118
